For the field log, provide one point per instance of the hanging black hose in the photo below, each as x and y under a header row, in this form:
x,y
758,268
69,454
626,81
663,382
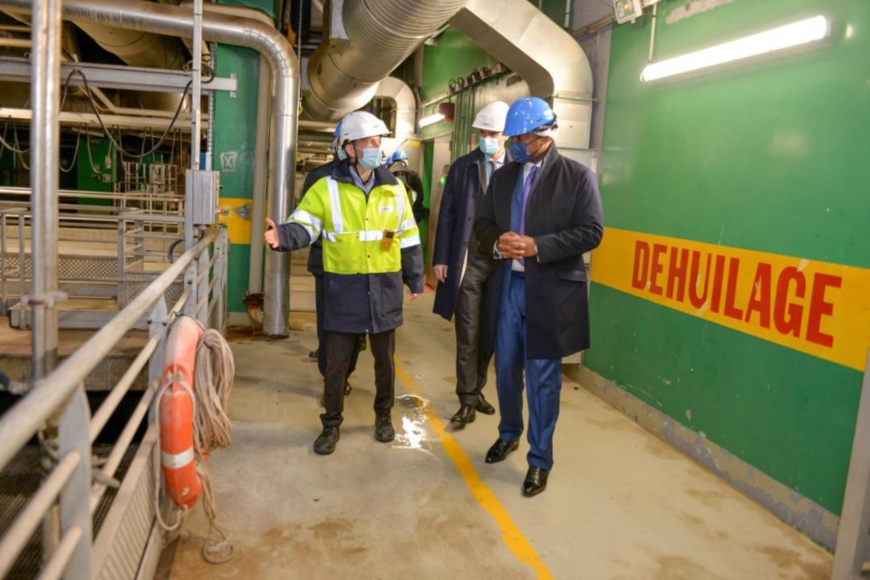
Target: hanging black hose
x,y
172,249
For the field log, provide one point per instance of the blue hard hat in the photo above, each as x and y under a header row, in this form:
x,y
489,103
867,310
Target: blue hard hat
x,y
337,131
398,155
528,114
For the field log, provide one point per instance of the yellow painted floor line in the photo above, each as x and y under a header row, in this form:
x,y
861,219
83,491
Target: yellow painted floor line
x,y
511,534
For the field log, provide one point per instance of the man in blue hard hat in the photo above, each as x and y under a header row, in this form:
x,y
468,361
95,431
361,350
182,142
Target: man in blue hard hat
x,y
541,214
315,266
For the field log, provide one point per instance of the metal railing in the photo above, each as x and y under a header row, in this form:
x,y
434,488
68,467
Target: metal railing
x,y
115,250
73,482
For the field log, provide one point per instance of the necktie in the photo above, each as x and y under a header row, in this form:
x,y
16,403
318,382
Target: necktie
x,y
527,187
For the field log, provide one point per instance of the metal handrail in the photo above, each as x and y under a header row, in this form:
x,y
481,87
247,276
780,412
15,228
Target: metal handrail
x,y
117,454
23,420
61,557
25,192
101,417
28,520
64,389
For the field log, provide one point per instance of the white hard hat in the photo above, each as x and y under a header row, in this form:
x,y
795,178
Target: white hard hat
x,y
359,125
491,117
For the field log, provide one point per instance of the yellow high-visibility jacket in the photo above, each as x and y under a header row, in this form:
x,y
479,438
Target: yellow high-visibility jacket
x,y
371,245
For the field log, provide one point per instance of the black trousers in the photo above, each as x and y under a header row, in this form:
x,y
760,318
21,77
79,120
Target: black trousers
x,y
320,309
339,348
473,350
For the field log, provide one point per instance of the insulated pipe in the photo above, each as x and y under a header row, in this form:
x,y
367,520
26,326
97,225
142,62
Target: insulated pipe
x,y
45,139
174,21
261,152
45,144
140,49
261,144
548,58
343,72
406,106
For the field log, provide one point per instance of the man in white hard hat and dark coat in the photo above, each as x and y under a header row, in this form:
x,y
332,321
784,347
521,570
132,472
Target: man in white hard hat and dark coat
x,y
462,270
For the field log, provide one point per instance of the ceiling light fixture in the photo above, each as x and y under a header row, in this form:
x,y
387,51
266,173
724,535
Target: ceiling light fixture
x,y
431,119
794,34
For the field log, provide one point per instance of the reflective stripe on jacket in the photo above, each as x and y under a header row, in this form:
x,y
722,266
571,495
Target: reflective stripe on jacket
x,y
354,226
363,274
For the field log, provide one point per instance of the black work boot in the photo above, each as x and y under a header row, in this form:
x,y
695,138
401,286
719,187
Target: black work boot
x,y
384,431
325,443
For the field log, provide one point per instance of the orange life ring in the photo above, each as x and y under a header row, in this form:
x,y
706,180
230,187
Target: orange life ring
x,y
176,413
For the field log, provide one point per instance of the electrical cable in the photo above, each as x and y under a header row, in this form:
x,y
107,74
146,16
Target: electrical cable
x,y
108,134
72,163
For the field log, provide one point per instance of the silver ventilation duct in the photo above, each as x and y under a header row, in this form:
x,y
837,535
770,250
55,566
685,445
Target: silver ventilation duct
x,y
174,21
368,39
141,49
548,58
406,107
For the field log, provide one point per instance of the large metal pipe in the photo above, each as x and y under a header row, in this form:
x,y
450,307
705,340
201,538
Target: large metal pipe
x,y
45,139
261,144
140,49
174,21
368,39
548,58
45,144
406,107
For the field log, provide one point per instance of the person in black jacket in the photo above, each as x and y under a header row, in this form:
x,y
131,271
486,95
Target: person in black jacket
x,y
461,269
397,163
541,214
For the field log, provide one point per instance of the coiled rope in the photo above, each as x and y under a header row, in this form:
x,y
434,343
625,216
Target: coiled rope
x,y
212,383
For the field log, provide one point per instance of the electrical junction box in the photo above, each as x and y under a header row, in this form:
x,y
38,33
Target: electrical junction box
x,y
205,190
627,10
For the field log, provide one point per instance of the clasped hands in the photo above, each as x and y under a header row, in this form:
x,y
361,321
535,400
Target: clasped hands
x,y
513,245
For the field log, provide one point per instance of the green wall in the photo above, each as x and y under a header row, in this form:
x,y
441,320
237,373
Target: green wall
x,y
234,138
768,156
454,55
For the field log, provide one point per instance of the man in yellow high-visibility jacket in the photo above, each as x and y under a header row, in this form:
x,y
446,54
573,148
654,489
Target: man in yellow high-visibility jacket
x,y
371,246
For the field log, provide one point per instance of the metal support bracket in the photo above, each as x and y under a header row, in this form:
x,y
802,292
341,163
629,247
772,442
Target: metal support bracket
x,y
117,77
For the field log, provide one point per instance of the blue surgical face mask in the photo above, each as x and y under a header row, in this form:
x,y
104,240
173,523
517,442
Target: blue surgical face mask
x,y
371,158
489,145
520,152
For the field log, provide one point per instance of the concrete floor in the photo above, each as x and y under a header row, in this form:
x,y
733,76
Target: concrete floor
x,y
620,503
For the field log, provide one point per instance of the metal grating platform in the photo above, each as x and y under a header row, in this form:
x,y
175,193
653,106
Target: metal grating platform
x,y
20,480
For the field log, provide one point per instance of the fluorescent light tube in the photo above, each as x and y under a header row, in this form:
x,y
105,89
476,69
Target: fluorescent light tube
x,y
795,34
431,119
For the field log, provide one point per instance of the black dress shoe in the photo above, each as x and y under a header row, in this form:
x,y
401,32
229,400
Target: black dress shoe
x,y
484,407
536,481
500,450
463,417
325,443
314,354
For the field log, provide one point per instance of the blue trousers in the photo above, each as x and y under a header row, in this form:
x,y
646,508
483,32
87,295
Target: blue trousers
x,y
544,378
